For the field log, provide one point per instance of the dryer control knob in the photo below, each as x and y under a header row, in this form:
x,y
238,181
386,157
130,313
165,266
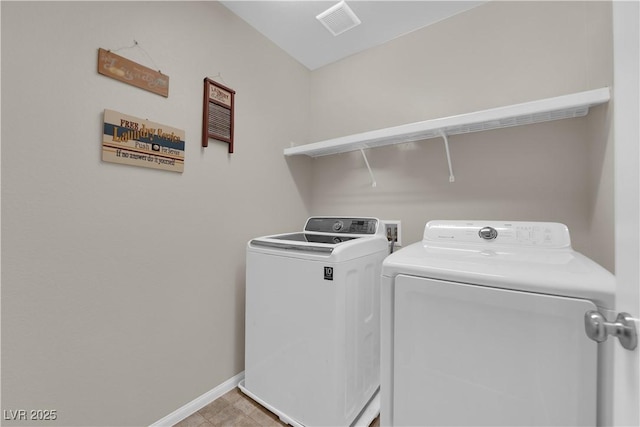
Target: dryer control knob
x,y
337,226
488,233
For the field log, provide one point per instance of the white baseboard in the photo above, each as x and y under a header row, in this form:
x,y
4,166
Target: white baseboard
x,y
199,402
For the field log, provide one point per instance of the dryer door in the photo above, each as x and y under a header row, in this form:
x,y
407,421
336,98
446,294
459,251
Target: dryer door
x,y
474,355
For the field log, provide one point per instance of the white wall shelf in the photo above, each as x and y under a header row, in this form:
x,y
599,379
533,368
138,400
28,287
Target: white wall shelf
x,y
544,110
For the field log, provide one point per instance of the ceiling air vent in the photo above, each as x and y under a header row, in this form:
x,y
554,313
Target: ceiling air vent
x,y
338,18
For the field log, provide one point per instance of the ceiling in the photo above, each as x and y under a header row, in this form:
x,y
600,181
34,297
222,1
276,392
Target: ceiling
x,y
292,24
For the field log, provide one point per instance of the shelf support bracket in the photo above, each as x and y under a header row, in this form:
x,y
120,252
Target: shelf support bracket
x,y
446,147
373,179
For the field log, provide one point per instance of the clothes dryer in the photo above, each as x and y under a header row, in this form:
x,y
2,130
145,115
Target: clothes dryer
x,y
483,324
312,321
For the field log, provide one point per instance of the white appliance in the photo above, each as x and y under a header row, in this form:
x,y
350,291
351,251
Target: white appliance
x,y
483,323
312,327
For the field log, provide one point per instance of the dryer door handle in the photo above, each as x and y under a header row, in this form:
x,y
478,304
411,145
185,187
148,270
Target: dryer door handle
x,y
598,329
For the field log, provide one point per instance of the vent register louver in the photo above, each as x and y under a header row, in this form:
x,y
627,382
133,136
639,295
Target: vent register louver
x,y
338,18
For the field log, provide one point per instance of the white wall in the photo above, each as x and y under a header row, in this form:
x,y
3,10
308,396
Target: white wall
x,y
497,54
123,287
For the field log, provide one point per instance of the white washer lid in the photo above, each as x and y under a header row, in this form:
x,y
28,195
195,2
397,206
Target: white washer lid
x,y
527,256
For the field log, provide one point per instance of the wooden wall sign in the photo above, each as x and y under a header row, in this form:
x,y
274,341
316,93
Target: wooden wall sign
x,y
124,70
138,142
217,120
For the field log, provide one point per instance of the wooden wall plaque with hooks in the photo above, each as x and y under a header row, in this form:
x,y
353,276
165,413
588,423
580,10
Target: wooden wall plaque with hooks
x,y
218,113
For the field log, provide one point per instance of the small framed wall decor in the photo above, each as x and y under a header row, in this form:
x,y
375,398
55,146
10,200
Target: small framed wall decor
x,y
218,113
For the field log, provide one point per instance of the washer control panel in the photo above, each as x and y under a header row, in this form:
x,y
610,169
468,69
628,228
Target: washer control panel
x,y
342,225
514,233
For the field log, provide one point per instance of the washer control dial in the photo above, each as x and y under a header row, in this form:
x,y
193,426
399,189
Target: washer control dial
x,y
488,233
338,225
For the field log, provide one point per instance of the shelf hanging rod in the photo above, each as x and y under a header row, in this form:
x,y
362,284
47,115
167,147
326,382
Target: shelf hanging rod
x,y
446,147
373,179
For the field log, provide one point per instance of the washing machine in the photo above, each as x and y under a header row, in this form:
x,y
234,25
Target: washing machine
x,y
483,323
312,327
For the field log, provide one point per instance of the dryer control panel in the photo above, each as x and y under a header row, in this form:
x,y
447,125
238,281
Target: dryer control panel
x,y
512,233
337,225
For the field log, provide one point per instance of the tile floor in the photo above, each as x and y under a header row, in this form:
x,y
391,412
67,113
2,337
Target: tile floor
x,y
235,409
